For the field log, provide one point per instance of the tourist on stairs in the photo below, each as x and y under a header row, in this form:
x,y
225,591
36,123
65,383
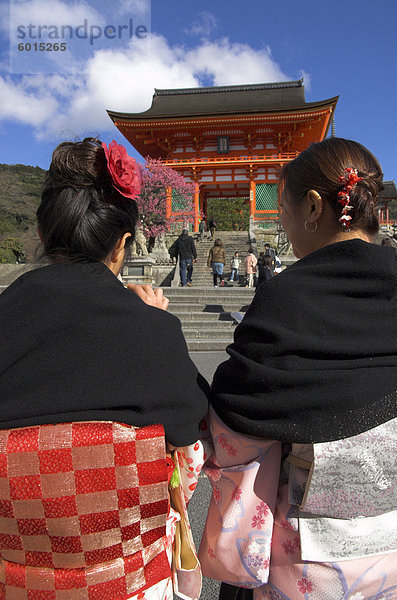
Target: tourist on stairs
x,y
235,266
250,267
216,260
202,229
212,227
264,267
185,248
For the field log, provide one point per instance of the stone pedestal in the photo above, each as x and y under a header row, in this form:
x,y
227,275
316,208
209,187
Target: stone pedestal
x,y
139,269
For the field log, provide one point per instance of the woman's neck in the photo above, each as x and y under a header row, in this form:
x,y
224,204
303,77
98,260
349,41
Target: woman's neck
x,y
354,234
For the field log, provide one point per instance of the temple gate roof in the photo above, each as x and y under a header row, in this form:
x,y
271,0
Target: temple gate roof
x,y
222,100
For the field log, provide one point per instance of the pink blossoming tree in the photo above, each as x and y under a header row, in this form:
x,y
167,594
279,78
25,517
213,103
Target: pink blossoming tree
x,y
156,178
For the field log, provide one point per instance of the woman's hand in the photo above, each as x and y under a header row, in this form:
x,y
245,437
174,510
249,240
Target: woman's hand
x,y
149,295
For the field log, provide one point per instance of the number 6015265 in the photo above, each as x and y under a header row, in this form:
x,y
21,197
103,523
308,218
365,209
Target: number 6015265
x,y
42,47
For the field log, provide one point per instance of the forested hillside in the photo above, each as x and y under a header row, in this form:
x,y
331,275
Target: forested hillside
x,y
20,189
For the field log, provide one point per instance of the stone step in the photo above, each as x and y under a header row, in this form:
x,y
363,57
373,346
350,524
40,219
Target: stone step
x,y
185,307
201,345
208,283
209,303
204,270
208,334
194,294
228,292
209,324
207,280
204,311
207,274
202,316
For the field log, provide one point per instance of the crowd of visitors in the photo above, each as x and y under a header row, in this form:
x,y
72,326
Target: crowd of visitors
x,y
257,270
104,431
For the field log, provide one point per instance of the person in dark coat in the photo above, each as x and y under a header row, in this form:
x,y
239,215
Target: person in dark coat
x,y
202,229
212,226
185,248
264,267
271,253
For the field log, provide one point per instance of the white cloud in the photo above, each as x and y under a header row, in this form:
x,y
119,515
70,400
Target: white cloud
x,y
41,12
124,80
18,104
204,25
229,63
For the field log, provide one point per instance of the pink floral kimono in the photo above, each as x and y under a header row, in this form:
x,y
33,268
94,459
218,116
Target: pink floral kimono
x,y
325,529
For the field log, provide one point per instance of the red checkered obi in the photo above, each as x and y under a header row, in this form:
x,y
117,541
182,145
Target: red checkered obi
x,y
83,509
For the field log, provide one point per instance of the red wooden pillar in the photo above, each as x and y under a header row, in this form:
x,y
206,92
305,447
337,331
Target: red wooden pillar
x,y
252,198
168,203
201,201
196,207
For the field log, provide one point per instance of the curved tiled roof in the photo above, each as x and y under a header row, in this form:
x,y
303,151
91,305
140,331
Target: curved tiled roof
x,y
232,99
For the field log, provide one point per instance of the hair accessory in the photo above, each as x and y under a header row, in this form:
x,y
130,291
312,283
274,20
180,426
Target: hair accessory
x,y
123,169
311,230
348,180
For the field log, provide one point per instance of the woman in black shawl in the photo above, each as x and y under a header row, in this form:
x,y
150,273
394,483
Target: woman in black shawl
x,y
313,366
76,343
79,346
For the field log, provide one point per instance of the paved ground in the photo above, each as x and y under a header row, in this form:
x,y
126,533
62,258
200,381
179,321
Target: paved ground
x,y
206,362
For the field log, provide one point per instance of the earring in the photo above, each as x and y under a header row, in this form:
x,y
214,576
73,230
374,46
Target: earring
x,y
311,230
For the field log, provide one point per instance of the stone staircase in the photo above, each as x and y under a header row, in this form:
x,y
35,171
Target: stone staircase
x,y
232,242
204,310
205,314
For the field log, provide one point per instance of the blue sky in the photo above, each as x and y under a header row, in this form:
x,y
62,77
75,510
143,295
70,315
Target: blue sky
x,y
340,47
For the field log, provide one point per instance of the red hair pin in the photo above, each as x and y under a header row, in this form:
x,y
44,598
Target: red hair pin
x,y
348,180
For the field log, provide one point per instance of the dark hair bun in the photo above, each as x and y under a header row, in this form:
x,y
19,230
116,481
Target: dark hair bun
x,y
81,215
79,164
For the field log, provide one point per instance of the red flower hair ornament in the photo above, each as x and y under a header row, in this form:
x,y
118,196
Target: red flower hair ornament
x,y
348,180
124,170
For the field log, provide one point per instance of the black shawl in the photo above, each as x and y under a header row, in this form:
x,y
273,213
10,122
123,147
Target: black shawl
x,y
315,358
77,345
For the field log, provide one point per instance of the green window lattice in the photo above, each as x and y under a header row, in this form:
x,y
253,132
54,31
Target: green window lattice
x,y
266,196
179,202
